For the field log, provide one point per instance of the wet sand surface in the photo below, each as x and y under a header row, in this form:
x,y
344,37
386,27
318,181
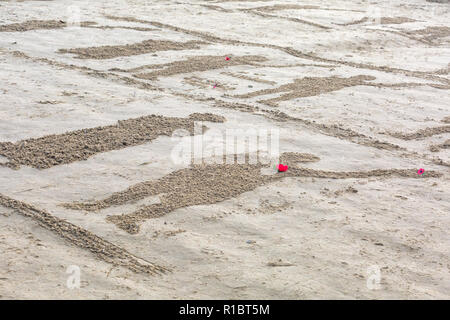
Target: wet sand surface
x,y
99,100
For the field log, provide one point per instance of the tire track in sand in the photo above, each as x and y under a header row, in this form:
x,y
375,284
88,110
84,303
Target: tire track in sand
x,y
83,238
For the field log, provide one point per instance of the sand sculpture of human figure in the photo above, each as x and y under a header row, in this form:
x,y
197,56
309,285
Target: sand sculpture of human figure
x,y
202,184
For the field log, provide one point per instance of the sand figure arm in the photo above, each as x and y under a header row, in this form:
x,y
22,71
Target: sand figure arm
x,y
283,88
292,159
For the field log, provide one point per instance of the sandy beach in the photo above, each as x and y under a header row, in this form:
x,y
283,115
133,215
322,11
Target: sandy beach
x,y
133,162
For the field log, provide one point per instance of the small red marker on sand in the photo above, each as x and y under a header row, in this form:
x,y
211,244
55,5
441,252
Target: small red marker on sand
x,y
282,168
420,171
227,58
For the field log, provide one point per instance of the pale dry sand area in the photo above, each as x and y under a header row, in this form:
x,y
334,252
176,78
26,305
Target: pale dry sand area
x,y
94,95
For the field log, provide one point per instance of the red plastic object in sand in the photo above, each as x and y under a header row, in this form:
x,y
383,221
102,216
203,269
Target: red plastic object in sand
x,y
282,168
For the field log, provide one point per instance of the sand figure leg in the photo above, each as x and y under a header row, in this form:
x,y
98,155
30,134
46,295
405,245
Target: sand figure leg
x,y
132,194
131,222
406,173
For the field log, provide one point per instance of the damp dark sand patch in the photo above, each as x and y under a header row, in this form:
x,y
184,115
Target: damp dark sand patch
x,y
308,87
83,238
147,46
423,133
446,120
208,184
193,64
52,150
